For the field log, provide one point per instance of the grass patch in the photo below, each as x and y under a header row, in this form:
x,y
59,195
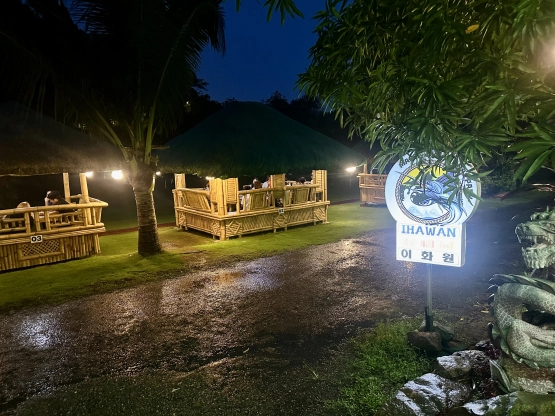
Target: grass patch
x,y
382,363
120,266
345,221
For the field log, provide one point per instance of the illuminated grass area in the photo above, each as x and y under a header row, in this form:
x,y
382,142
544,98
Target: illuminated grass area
x,y
119,266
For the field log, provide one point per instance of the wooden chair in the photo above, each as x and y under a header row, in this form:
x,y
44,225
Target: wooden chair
x,y
231,189
197,200
301,195
257,201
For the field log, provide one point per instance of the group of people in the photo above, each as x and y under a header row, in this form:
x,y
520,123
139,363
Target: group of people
x,y
52,198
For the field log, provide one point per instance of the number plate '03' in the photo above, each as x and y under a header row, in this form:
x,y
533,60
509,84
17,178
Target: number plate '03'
x,y
36,239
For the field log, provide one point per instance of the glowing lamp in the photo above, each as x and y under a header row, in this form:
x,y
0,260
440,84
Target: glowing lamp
x,y
209,178
117,174
88,174
158,173
351,169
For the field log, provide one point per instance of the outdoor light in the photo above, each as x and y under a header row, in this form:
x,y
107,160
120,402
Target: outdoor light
x,y
88,174
209,178
158,173
117,174
351,169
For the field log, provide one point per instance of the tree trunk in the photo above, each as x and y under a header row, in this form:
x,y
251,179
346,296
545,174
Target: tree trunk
x,y
143,186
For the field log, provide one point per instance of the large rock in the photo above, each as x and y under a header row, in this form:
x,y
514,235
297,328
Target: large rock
x,y
462,364
517,403
428,395
429,342
444,329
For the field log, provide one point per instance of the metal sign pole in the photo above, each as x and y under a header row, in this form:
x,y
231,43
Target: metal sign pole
x,y
429,318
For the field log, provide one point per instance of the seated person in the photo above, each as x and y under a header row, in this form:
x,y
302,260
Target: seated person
x,y
243,199
301,180
257,184
54,198
23,204
267,183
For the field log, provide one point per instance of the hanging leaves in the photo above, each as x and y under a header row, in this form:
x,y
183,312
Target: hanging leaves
x,y
457,80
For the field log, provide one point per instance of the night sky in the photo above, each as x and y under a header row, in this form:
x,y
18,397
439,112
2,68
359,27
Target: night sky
x,y
261,57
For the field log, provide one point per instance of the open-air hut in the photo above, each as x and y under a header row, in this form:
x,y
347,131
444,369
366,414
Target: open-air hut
x,y
33,144
371,185
244,139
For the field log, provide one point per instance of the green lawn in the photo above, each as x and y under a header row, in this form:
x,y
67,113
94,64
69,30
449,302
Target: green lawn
x,y
119,265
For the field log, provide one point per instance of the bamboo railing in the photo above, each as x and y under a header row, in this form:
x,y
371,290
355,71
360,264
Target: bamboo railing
x,y
225,212
372,188
48,234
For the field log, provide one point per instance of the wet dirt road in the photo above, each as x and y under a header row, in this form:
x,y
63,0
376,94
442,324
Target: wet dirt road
x,y
262,337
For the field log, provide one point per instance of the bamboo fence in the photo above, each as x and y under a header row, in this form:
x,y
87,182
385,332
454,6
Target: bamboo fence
x,y
49,234
224,211
372,188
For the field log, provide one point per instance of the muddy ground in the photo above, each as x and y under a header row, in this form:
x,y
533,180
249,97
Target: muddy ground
x,y
264,337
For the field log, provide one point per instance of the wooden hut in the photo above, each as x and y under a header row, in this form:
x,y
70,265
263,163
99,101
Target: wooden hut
x,y
371,185
32,144
248,138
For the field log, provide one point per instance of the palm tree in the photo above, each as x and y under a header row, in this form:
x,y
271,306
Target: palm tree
x,y
145,55
126,75
125,71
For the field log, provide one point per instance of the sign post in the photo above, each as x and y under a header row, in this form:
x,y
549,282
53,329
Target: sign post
x,y
431,214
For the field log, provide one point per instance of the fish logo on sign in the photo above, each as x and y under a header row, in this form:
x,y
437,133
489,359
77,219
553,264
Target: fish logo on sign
x,y
428,195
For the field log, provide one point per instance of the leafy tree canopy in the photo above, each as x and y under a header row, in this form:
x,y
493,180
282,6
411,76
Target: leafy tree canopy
x,y
458,80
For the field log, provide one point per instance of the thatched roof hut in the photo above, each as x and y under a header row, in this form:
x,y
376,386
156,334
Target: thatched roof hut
x,y
31,144
247,138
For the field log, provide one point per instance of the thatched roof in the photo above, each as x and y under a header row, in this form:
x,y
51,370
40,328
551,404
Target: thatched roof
x,y
31,144
247,138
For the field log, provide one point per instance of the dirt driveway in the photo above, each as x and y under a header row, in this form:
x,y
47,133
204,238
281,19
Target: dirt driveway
x,y
262,337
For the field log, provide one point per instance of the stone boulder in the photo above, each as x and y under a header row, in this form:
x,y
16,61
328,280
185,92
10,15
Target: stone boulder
x,y
429,342
427,395
444,329
518,403
462,365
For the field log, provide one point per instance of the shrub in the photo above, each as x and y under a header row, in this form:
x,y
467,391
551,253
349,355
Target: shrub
x,y
501,179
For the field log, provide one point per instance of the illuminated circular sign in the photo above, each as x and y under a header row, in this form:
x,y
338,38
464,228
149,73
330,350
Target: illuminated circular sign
x,y
425,195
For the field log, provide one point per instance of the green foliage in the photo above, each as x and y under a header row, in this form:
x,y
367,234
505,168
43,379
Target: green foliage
x,y
450,81
500,180
501,177
383,362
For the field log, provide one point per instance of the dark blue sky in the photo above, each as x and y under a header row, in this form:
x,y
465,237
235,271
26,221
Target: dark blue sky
x,y
261,57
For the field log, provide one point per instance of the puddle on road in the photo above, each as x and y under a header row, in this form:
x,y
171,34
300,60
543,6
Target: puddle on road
x,y
228,277
40,332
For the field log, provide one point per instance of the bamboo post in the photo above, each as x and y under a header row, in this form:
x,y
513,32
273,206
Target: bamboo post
x,y
220,199
84,188
85,197
179,179
67,192
212,195
325,185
